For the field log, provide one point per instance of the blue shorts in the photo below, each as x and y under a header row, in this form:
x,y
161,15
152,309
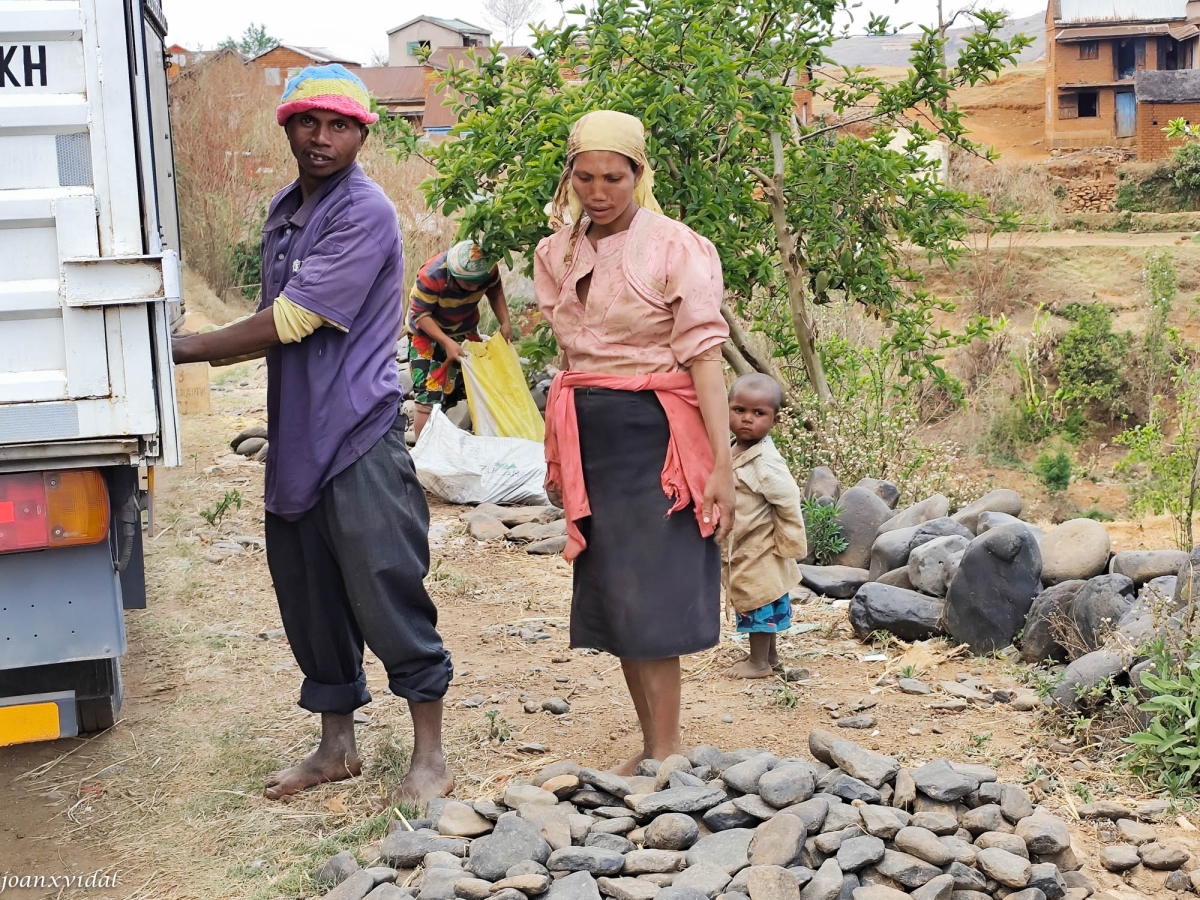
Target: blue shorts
x,y
773,618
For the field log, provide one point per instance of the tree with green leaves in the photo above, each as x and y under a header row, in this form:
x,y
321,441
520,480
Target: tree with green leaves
x,y
254,41
801,214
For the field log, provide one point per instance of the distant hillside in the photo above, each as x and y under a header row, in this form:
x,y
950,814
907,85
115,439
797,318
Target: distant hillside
x,y
894,49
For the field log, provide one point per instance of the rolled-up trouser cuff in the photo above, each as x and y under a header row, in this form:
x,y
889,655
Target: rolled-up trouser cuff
x,y
340,699
430,683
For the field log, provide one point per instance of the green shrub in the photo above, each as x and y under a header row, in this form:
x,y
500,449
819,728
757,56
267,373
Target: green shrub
x,y
1186,164
825,539
1167,753
1053,470
1087,365
246,267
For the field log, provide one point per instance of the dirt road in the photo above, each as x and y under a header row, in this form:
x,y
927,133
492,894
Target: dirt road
x,y
1122,239
171,798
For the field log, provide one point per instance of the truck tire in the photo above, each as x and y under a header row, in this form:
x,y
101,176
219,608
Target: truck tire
x,y
100,713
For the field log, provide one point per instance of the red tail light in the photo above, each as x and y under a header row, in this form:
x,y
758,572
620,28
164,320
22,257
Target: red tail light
x,y
39,510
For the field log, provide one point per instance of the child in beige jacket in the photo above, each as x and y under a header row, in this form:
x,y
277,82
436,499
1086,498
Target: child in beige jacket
x,y
768,535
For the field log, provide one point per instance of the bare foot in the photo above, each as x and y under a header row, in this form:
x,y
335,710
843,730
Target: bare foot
x,y
629,767
773,660
748,668
312,771
426,780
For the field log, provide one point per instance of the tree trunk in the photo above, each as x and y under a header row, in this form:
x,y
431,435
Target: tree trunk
x,y
802,320
736,361
749,353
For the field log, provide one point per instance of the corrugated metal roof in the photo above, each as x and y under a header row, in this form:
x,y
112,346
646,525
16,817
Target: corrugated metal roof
x,y
1178,86
394,83
453,24
1096,32
1078,12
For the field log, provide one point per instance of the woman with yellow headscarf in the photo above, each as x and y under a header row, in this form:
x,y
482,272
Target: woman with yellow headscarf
x,y
637,439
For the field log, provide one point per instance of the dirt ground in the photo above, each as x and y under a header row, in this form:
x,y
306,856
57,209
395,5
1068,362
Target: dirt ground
x,y
170,799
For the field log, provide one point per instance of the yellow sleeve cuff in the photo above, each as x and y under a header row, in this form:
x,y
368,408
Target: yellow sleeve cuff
x,y
293,323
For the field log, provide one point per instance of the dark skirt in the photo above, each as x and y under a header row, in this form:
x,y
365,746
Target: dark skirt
x,y
648,586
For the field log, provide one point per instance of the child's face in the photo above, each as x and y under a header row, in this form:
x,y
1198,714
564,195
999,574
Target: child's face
x,y
751,415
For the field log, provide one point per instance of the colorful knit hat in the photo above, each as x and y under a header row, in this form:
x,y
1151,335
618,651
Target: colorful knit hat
x,y
466,263
333,87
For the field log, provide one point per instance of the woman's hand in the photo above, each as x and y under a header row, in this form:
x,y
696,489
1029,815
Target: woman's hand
x,y
719,502
554,493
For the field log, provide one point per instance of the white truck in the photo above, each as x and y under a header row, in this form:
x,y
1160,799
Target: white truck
x,y
89,289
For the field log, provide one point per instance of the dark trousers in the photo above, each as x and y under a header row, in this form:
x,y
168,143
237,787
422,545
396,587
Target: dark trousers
x,y
351,569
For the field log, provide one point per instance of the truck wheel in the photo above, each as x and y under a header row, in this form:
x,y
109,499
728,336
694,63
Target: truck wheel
x,y
99,713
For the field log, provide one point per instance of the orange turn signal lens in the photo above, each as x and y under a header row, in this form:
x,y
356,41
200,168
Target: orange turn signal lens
x,y
76,507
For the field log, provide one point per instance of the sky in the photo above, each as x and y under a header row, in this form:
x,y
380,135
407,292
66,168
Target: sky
x,y
358,28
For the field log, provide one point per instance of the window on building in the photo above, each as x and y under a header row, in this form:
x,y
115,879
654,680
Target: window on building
x,y
414,47
1089,49
272,76
1089,104
1173,54
1126,58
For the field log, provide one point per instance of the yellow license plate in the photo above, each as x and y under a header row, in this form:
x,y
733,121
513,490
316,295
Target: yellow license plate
x,y
27,723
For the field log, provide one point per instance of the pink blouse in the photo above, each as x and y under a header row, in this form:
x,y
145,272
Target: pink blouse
x,y
654,303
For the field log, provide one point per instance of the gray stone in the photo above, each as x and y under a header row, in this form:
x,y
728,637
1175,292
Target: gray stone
x,y
1076,549
1001,500
850,789
913,686
820,743
866,765
744,776
811,812
755,805
939,780
1082,678
438,884
517,794
1164,857
1003,840
856,722
939,888
1178,881
483,527
534,883
840,816
554,770
1044,834
661,879
787,784
710,880
727,849
935,507
1095,611
682,800
883,821
551,546
988,817
879,892
924,845
802,874
829,842
733,895
1119,857
963,851
1026,894
859,852
623,825
1047,879
884,490
512,841
905,790
672,831
627,888
728,815
908,615
1142,566
1014,802
680,893
354,887
440,859
1039,641
382,874
460,820
605,781
595,860
614,842
406,849
674,763
966,878
531,532
906,870
778,842
822,483
656,862
825,885
556,706
1136,833
577,886
1004,867
771,883
581,827
684,779
862,512
469,888
932,566
526,867
897,578
337,868
839,582
990,596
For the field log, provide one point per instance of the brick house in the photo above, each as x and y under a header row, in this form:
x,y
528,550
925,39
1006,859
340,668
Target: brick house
x,y
398,89
282,62
1097,51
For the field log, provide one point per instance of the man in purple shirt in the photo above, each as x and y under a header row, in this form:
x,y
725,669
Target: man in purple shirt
x,y
347,522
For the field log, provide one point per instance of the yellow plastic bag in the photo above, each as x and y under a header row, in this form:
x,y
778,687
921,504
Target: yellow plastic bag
x,y
499,399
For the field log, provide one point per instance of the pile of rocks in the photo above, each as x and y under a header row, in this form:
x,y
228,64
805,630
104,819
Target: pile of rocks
x,y
743,825
983,576
1094,196
251,443
542,529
